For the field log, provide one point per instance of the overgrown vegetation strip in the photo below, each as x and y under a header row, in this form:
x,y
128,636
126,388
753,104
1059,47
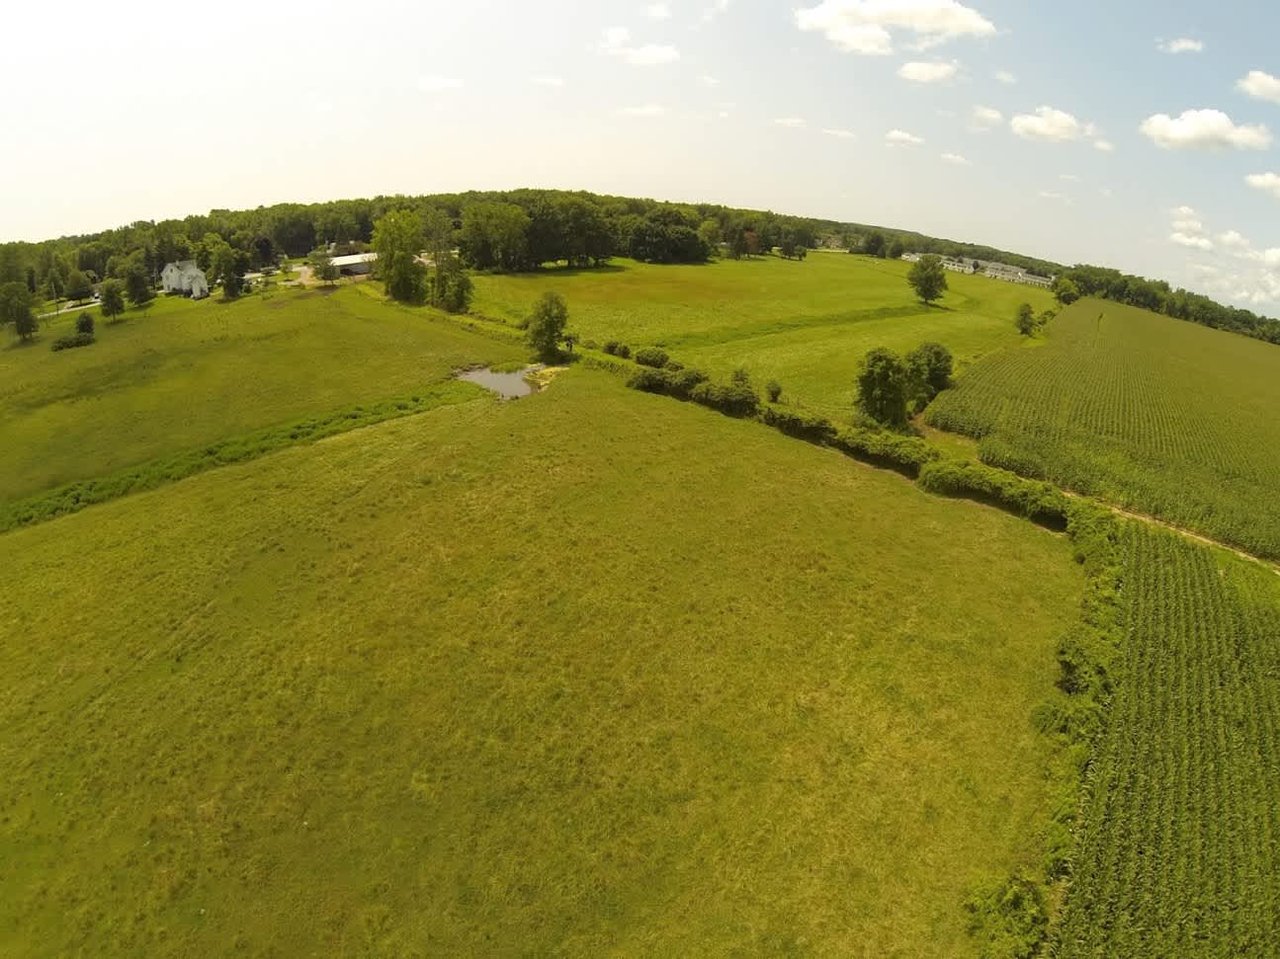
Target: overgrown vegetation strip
x,y
73,497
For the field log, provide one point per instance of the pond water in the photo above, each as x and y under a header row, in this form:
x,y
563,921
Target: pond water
x,y
509,386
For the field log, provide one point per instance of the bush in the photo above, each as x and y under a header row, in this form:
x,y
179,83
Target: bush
x,y
804,426
652,356
623,351
773,389
71,341
674,367
735,399
84,324
650,381
1010,918
1040,502
907,455
611,347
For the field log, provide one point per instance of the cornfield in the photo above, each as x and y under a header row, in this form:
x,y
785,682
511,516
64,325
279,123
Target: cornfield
x,y
1179,854
1159,416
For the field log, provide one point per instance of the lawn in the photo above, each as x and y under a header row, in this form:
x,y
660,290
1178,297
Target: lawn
x,y
591,673
183,374
1162,416
804,323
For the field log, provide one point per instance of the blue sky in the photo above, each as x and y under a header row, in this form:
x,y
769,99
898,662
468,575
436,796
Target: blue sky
x,y
141,113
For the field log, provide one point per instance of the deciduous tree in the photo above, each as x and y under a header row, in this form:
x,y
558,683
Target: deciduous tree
x,y
112,299
928,278
398,240
16,304
882,388
1025,320
546,326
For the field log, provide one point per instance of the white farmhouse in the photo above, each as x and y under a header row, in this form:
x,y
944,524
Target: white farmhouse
x,y
186,278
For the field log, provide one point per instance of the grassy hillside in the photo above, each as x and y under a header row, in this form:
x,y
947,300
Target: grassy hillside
x,y
1156,414
185,374
804,323
1180,851
591,673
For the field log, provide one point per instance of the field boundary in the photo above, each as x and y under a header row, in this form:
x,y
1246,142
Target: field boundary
x,y
73,497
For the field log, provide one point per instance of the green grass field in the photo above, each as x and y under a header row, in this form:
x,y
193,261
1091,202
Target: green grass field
x,y
590,673
1158,415
185,374
1180,850
804,323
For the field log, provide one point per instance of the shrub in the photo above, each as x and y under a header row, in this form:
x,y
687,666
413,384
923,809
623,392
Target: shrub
x,y
674,367
652,356
804,426
623,351
1010,918
71,341
84,324
734,399
740,377
1040,502
905,454
650,381
611,347
773,389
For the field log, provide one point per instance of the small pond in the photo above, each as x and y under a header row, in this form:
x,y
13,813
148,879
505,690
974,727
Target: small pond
x,y
509,386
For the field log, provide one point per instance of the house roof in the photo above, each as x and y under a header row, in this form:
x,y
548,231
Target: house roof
x,y
353,259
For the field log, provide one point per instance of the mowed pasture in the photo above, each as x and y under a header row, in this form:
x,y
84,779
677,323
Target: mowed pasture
x,y
1157,415
590,673
1179,851
804,323
184,374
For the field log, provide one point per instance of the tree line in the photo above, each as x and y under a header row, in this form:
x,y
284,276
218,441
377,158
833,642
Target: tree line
x,y
510,231
1159,297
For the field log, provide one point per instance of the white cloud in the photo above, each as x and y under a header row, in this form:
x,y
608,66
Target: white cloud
x,y
549,81
1266,182
794,123
1261,85
1233,241
1203,129
1180,45
1069,177
868,26
1005,77
438,84
1106,146
919,72
985,118
713,11
1054,126
901,138
617,43
1191,241
841,134
658,11
1054,195
708,81
954,158
646,110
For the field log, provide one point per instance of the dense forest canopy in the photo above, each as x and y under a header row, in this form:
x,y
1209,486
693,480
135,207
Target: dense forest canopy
x,y
527,229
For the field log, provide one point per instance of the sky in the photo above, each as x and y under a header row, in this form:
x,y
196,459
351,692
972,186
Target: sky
x,y
1139,134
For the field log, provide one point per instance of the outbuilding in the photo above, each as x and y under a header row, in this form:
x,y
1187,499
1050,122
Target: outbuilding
x,y
357,264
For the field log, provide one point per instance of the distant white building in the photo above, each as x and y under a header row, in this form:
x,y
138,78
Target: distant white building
x,y
357,264
186,278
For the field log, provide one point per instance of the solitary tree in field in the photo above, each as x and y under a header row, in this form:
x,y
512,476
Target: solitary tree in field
x,y
883,384
547,325
874,244
84,324
398,239
928,278
112,299
1026,320
16,308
